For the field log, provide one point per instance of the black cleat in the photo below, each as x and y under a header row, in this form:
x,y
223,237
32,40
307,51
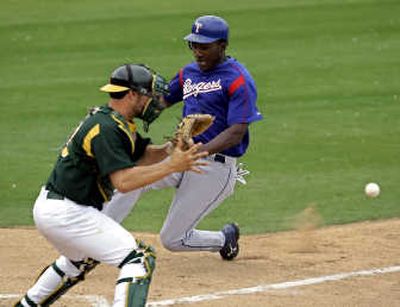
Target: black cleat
x,y
230,250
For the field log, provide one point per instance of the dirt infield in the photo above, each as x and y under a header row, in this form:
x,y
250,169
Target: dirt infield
x,y
264,260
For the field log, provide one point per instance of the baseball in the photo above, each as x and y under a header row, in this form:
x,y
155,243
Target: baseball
x,y
372,190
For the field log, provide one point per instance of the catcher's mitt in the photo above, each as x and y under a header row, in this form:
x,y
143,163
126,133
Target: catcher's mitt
x,y
190,126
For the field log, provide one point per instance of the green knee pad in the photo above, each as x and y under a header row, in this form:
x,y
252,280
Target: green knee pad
x,y
138,287
138,292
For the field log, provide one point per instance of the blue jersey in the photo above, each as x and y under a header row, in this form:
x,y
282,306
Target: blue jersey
x,y
228,92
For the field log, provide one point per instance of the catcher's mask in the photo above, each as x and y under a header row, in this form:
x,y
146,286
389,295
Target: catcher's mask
x,y
208,29
143,80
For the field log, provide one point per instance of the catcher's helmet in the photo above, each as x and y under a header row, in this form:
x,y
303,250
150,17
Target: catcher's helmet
x,y
137,77
208,29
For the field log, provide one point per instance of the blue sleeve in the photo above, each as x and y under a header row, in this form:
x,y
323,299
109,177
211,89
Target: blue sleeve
x,y
242,102
175,88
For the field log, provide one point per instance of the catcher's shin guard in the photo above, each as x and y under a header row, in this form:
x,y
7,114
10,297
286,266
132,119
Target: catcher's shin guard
x,y
64,285
135,276
84,266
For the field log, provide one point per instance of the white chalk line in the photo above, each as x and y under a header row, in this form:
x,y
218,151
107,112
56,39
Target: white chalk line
x,y
268,287
99,301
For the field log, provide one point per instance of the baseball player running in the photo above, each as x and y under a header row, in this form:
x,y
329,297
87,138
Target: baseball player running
x,y
219,85
104,153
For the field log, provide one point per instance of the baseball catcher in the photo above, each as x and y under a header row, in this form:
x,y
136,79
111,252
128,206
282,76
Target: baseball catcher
x,y
103,155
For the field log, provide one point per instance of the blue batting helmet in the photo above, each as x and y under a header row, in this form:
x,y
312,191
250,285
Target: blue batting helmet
x,y
208,29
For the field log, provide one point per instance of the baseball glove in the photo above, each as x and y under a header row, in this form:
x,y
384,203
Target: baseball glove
x,y
190,126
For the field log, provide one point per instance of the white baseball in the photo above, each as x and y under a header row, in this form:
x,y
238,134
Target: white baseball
x,y
372,189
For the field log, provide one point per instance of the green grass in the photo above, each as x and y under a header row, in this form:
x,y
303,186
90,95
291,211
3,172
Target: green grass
x,y
328,75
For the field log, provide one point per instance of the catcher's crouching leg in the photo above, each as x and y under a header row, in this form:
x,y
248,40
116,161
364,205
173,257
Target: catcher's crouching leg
x,y
135,276
56,280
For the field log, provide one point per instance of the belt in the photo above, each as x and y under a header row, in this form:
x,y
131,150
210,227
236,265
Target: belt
x,y
54,195
218,158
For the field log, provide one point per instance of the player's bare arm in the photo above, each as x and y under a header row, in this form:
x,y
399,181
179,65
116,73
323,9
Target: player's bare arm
x,y
126,180
155,154
226,139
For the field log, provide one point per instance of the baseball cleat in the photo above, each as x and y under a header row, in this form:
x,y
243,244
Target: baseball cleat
x,y
230,250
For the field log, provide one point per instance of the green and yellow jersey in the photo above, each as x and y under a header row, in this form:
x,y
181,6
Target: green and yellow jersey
x,y
103,143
